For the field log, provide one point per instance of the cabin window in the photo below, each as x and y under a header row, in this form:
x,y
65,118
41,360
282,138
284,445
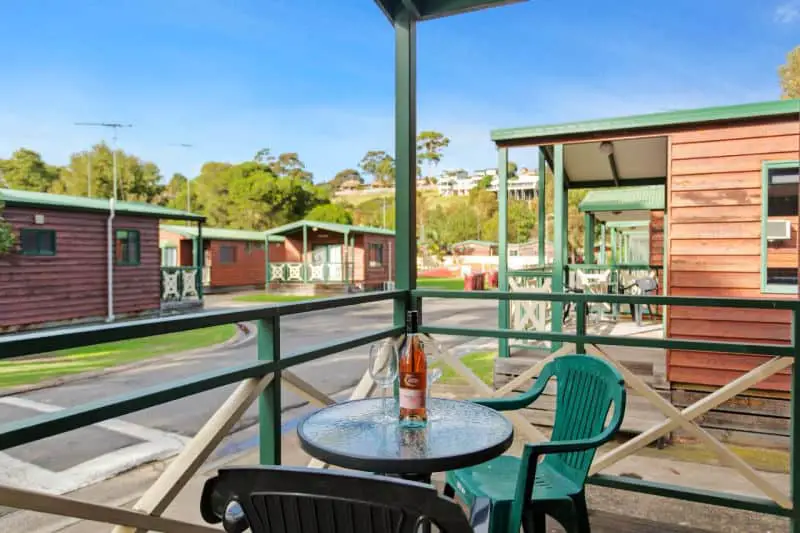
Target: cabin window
x,y
37,242
779,220
127,249
169,256
375,254
252,246
227,255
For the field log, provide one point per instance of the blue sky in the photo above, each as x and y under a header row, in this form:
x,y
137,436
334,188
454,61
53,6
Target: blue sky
x,y
316,76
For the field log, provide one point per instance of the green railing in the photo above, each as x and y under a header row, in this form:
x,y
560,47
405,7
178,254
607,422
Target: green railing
x,y
581,338
270,361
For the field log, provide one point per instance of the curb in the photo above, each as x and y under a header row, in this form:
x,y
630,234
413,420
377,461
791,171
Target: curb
x,y
244,333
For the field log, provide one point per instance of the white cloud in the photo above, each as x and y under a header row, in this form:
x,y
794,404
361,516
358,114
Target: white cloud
x,y
788,12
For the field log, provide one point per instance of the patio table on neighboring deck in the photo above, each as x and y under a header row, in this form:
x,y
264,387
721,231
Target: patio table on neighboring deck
x,y
351,435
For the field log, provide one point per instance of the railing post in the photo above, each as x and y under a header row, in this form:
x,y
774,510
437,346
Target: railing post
x,y
794,466
559,242
269,404
580,326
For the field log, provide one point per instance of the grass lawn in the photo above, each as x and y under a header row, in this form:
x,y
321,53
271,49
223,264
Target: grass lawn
x,y
273,298
451,284
25,371
481,364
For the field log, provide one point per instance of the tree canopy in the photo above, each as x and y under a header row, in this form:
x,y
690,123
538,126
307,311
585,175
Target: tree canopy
x,y
379,165
790,74
330,213
6,234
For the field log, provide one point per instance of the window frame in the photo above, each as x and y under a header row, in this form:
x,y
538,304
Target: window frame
x,y
38,252
766,167
377,246
138,260
233,248
172,249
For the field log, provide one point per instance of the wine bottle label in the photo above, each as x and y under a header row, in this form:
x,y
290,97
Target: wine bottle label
x,y
412,390
412,399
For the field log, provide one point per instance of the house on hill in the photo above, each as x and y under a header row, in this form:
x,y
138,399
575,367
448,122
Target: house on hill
x,y
79,260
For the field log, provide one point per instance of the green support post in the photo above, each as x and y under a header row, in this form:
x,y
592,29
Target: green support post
x,y
502,249
603,258
269,403
559,240
305,254
266,264
541,218
588,239
613,246
406,162
199,257
345,257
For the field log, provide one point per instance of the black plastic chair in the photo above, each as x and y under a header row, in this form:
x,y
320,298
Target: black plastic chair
x,y
641,287
272,499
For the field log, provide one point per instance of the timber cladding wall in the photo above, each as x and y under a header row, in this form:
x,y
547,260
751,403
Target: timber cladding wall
x,y
71,285
247,267
714,232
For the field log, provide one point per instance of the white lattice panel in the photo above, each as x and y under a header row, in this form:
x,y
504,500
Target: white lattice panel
x,y
170,284
276,273
190,284
529,315
295,272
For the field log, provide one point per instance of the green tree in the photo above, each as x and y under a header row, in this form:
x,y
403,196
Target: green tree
x,y
430,145
379,165
137,180
7,238
790,74
26,170
343,176
330,213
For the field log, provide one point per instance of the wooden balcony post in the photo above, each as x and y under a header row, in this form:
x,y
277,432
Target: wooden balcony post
x,y
502,251
559,239
305,254
406,160
269,403
541,219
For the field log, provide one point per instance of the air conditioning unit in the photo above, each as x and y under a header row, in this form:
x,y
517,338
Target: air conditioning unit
x,y
779,230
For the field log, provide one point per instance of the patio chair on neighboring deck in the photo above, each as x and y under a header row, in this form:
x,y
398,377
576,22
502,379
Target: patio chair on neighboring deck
x,y
274,499
522,490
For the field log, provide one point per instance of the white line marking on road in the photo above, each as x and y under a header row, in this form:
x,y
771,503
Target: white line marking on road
x,y
156,445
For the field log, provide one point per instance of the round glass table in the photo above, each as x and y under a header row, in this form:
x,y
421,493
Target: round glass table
x,y
351,435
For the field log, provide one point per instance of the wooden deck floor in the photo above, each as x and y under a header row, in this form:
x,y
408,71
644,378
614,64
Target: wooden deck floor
x,y
603,522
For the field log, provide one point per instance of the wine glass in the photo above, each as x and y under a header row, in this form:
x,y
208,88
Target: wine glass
x,y
383,370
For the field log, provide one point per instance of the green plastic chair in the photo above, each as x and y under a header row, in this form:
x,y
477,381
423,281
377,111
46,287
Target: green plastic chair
x,y
520,491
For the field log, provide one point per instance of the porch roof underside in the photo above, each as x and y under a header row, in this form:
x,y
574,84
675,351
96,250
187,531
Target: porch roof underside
x,y
431,9
637,154
327,226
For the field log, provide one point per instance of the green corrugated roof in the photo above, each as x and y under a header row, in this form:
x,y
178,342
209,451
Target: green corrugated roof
x,y
80,203
222,234
652,120
330,226
624,199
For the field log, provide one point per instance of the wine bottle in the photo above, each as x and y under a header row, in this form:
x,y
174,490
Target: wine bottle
x,y
413,373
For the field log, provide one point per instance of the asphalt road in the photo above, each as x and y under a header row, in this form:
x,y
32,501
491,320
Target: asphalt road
x,y
87,455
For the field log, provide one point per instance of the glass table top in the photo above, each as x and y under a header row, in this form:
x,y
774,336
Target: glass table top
x,y
352,435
